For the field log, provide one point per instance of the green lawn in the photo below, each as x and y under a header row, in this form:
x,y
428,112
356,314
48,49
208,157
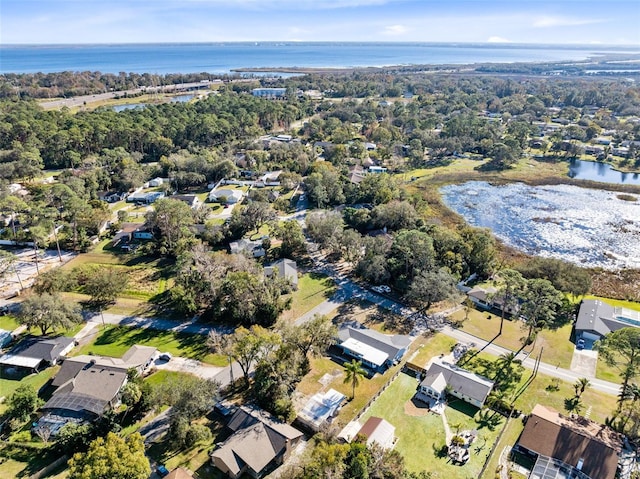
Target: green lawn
x,y
8,386
421,434
9,322
115,340
557,347
18,462
509,438
434,346
313,289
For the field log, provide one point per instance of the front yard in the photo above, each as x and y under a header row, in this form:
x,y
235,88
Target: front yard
x,y
114,341
313,289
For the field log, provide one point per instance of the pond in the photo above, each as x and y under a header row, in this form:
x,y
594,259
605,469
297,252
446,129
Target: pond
x,y
588,227
182,98
128,106
602,172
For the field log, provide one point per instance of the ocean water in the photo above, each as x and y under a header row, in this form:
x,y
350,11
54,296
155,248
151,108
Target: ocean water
x,y
223,57
588,227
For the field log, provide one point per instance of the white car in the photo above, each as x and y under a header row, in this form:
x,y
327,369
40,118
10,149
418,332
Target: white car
x,y
383,288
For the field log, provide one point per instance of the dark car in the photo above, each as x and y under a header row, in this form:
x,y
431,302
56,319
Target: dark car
x,y
162,471
580,344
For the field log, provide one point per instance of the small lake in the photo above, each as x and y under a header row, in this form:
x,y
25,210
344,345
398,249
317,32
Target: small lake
x,y
602,172
135,106
128,106
588,227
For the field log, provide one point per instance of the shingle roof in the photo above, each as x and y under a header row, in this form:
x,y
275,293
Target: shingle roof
x,y
602,318
257,440
33,349
464,382
571,440
287,268
378,430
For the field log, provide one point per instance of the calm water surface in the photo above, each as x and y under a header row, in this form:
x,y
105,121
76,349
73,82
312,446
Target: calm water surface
x,y
585,226
602,172
223,57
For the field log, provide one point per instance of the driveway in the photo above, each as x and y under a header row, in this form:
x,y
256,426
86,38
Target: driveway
x,y
584,362
191,366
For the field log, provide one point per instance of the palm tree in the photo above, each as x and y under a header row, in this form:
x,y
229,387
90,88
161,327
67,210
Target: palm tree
x,y
630,393
580,386
353,373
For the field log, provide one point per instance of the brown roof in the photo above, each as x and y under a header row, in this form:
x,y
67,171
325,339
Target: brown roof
x,y
179,473
370,426
571,440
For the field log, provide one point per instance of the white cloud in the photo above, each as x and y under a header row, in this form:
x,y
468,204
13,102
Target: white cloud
x,y
496,39
546,22
395,30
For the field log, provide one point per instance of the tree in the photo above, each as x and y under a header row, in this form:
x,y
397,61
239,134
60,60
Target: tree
x,y
111,458
8,264
293,243
48,312
621,349
395,216
54,281
509,293
354,372
480,250
541,304
431,286
312,337
350,242
105,284
23,402
170,221
246,346
325,228
256,214
580,386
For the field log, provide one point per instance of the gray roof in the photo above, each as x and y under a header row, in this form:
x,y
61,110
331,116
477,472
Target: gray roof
x,y
390,344
44,349
602,318
464,382
287,268
76,403
257,440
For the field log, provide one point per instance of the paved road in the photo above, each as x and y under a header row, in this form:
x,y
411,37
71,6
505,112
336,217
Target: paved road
x,y
81,100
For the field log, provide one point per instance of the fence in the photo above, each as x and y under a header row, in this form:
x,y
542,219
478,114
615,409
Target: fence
x,y
380,391
46,470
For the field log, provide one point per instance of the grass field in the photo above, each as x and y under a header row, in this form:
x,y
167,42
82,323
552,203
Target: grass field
x,y
8,386
9,322
421,437
557,347
115,340
509,438
313,289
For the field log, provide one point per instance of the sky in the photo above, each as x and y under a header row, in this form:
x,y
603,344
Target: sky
x,y
614,22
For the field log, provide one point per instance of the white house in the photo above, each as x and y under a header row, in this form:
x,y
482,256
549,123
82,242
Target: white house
x,y
321,409
443,378
227,195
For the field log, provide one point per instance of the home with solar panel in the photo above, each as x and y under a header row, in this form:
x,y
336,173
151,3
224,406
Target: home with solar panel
x,y
89,386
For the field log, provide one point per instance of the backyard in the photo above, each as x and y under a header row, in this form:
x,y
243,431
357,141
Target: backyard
x,y
313,289
421,434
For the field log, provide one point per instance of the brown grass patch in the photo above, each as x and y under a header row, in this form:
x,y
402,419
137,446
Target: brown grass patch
x,y
415,408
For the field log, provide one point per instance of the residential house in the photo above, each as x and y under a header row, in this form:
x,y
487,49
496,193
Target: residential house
x,y
356,174
569,447
37,353
484,298
443,378
258,445
377,169
245,246
157,182
192,200
375,350
88,386
142,233
112,196
596,319
145,198
379,431
227,196
321,409
179,473
285,268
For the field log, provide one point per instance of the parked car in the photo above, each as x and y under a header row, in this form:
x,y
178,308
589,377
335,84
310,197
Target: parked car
x,y
580,344
383,288
165,356
162,470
